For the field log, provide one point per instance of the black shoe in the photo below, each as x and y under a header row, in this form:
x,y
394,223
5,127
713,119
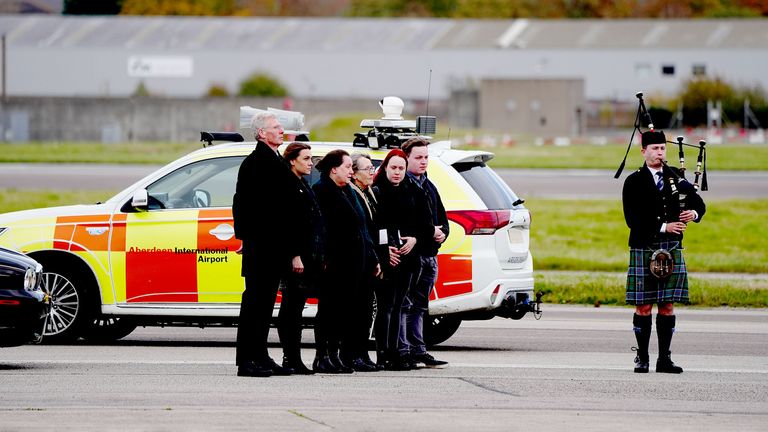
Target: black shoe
x,y
298,366
276,368
324,365
340,366
428,360
400,363
359,365
251,369
641,365
664,364
367,360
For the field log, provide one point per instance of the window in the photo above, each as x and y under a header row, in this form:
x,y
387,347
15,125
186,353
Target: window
x,y
668,70
642,70
699,70
489,186
208,183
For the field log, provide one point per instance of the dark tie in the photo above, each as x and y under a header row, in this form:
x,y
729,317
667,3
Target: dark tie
x,y
660,183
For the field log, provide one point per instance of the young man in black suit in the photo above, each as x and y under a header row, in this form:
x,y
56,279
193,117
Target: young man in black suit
x,y
658,203
262,209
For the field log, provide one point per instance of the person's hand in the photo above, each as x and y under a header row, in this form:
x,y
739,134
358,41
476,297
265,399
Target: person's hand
x,y
410,242
687,216
394,256
298,266
377,270
675,227
439,234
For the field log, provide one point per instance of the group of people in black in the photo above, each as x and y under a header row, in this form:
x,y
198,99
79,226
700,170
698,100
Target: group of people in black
x,y
356,237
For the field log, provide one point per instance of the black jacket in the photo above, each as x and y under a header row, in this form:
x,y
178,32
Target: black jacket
x,y
427,197
310,227
264,210
349,249
646,208
400,211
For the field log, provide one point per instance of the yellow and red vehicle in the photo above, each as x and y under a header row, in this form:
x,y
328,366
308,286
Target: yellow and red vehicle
x,y
163,251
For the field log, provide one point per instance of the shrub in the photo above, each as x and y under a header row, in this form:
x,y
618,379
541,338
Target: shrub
x,y
260,84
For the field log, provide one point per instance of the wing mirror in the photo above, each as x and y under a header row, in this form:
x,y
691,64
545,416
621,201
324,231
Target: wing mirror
x,y
140,200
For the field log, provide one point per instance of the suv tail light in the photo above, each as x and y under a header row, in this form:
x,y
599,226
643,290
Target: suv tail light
x,y
479,222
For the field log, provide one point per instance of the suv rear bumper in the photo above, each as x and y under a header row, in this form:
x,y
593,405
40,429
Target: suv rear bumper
x,y
486,299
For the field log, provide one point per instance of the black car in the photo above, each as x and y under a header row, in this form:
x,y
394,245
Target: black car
x,y
23,305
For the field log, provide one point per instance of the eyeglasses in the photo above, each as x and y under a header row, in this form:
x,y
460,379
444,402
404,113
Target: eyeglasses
x,y
371,169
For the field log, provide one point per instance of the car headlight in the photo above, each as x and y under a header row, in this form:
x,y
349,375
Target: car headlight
x,y
30,280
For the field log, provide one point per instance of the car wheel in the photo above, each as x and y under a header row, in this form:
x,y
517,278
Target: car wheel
x,y
69,311
109,329
438,329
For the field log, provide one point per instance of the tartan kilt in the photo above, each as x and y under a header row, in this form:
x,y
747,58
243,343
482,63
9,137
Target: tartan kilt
x,y
643,288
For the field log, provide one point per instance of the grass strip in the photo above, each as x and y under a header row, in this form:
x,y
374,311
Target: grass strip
x,y
592,235
609,289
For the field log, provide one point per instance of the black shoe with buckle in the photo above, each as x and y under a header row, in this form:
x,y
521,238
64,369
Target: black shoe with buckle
x,y
641,364
664,364
251,369
428,360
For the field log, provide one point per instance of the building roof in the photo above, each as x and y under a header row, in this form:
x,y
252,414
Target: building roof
x,y
365,34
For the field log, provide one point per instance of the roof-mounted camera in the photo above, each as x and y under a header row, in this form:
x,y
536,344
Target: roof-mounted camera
x,y
392,130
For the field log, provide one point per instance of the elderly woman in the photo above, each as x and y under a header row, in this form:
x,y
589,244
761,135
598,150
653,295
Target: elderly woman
x,y
350,257
309,232
362,178
397,208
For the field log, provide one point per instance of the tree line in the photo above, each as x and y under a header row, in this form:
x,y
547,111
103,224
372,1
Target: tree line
x,y
480,9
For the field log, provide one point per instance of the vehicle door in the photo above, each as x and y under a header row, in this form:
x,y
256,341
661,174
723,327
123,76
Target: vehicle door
x,y
181,248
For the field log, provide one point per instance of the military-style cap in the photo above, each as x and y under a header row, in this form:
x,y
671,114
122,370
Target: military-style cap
x,y
653,137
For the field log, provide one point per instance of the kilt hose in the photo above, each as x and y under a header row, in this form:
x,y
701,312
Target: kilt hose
x,y
643,288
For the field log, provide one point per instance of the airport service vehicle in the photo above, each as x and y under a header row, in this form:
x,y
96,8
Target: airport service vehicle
x,y
23,304
163,251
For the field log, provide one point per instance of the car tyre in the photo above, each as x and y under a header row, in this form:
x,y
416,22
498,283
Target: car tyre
x,y
109,329
71,310
438,329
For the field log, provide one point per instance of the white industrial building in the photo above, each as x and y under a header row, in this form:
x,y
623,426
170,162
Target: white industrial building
x,y
110,56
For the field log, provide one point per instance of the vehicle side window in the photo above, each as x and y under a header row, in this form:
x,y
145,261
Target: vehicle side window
x,y
207,183
489,186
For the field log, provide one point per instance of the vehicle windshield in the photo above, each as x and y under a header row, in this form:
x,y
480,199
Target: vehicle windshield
x,y
489,186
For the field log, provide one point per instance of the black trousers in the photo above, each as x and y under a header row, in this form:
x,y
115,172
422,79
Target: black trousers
x,y
390,294
289,321
256,309
360,317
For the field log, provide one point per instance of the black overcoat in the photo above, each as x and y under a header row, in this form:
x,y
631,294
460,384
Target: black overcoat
x,y
349,248
264,211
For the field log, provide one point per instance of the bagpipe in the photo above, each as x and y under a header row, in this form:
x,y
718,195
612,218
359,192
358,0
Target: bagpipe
x,y
651,136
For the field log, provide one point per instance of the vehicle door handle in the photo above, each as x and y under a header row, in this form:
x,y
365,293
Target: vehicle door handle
x,y
223,232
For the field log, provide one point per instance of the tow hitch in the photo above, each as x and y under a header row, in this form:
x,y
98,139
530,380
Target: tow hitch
x,y
516,305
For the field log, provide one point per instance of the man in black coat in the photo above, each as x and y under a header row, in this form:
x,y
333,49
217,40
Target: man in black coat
x,y
262,209
432,213
658,203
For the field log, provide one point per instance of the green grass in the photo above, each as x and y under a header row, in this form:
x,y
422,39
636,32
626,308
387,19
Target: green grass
x,y
592,235
14,199
74,152
608,289
522,154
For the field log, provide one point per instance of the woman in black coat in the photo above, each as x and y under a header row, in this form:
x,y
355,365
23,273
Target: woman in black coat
x,y
309,233
397,211
350,257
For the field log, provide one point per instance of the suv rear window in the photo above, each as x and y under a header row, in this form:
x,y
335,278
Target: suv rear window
x,y
489,186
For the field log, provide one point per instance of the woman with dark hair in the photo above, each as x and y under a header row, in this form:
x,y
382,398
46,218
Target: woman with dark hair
x,y
309,231
397,209
350,257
